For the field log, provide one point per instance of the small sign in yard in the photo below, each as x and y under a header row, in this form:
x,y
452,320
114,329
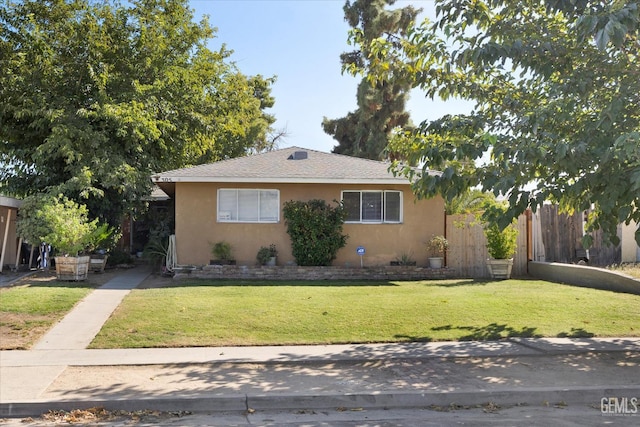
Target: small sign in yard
x,y
360,251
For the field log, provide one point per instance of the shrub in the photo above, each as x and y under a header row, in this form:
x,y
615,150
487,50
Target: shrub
x,y
156,252
501,244
405,258
221,250
315,229
263,255
501,241
266,253
117,257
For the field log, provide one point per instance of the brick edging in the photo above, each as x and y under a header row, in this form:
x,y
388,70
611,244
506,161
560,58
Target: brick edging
x,y
313,273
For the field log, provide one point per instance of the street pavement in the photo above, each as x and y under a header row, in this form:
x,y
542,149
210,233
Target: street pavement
x,y
587,379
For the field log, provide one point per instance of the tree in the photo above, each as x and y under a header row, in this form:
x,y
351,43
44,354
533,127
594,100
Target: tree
x,y
471,201
365,132
95,96
556,88
60,222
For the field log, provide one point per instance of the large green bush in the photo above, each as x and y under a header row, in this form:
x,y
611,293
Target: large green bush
x,y
315,229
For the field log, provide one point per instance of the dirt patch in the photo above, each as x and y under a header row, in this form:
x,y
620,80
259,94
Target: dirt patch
x,y
20,330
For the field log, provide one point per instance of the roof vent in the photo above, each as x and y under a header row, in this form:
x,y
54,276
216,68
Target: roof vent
x,y
298,155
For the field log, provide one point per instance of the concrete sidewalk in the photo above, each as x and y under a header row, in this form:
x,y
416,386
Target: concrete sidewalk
x,y
61,374
80,326
74,332
535,372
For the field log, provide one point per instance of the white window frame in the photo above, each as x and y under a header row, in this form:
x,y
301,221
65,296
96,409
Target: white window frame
x,y
225,215
382,207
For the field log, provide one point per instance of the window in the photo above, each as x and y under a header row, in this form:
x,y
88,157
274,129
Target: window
x,y
373,206
248,205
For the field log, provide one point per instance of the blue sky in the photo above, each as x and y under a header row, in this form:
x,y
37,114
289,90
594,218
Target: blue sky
x,y
300,42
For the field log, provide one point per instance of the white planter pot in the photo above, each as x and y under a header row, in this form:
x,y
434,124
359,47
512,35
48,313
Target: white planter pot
x,y
436,262
271,262
500,268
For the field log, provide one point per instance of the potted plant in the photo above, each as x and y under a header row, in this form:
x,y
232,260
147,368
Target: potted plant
x,y
63,224
501,246
223,254
501,240
267,255
437,246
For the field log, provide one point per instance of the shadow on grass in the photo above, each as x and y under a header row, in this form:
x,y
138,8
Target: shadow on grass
x,y
65,284
85,284
412,338
183,283
48,279
448,283
576,333
456,283
492,331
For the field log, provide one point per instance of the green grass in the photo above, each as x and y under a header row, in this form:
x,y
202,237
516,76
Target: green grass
x,y
54,298
195,314
28,311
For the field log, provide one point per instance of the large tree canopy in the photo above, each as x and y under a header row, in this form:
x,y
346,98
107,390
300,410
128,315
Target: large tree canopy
x,y
381,107
95,96
556,88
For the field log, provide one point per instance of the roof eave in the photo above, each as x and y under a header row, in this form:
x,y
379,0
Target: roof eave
x,y
376,181
10,202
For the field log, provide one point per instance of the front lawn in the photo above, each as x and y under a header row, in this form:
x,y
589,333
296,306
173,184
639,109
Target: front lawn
x,y
207,313
30,308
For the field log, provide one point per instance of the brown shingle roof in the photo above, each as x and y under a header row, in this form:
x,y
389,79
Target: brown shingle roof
x,y
280,166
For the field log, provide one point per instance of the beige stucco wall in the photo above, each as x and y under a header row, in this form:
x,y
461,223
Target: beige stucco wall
x,y
630,250
197,228
9,257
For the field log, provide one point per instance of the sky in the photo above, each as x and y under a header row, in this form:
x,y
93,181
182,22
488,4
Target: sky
x,y
300,42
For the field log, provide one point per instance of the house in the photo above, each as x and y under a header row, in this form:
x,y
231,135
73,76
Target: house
x,y
241,200
8,236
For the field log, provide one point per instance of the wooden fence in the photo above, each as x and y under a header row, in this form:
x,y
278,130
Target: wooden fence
x,y
559,239
467,253
546,235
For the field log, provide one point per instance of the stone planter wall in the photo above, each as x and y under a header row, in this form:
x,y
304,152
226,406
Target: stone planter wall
x,y
313,273
584,275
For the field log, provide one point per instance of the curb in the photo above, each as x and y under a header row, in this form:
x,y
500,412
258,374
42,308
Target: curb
x,y
545,396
